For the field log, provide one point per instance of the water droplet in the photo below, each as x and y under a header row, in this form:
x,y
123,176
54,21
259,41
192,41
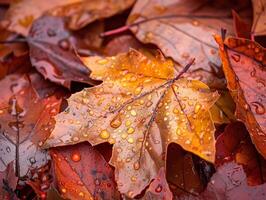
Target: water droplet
x,y
116,122
81,194
236,57
133,112
8,150
130,130
136,165
197,108
195,23
102,61
104,134
1,112
128,123
75,157
259,108
253,72
158,188
138,90
32,160
75,139
130,140
149,103
246,107
63,190
64,44
148,36
51,32
124,136
133,178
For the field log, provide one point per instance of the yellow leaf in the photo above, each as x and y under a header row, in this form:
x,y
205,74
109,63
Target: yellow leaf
x,y
141,107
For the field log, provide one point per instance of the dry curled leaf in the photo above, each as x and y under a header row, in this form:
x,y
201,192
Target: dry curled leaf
x,y
82,173
259,18
22,14
25,121
141,106
244,65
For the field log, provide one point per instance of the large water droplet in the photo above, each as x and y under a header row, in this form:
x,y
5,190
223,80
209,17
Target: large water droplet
x,y
136,165
64,44
130,130
104,134
133,112
197,108
116,122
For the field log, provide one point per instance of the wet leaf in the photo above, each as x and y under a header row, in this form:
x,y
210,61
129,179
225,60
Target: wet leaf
x,y
158,189
8,183
183,29
52,52
244,66
259,18
82,13
25,123
82,173
234,144
141,106
181,172
22,14
229,182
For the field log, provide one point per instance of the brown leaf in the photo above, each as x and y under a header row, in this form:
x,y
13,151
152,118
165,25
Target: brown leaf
x,y
52,53
140,107
183,29
25,123
259,18
244,65
81,172
235,145
181,173
229,182
8,182
22,14
158,189
84,12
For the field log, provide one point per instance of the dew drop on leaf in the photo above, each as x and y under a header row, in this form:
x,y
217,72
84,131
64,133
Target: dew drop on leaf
x,y
158,188
104,134
76,157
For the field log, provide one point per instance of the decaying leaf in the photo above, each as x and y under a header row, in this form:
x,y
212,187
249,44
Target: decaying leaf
x,y
244,65
234,144
84,12
21,14
52,54
25,123
229,182
82,173
259,18
141,106
183,29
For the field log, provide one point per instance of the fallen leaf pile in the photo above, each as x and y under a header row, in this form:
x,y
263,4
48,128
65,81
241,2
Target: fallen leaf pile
x,y
133,99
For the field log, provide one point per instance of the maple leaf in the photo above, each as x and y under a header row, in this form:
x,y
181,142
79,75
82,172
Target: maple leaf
x,y
52,55
25,121
141,106
183,29
234,144
259,13
229,182
244,66
81,172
